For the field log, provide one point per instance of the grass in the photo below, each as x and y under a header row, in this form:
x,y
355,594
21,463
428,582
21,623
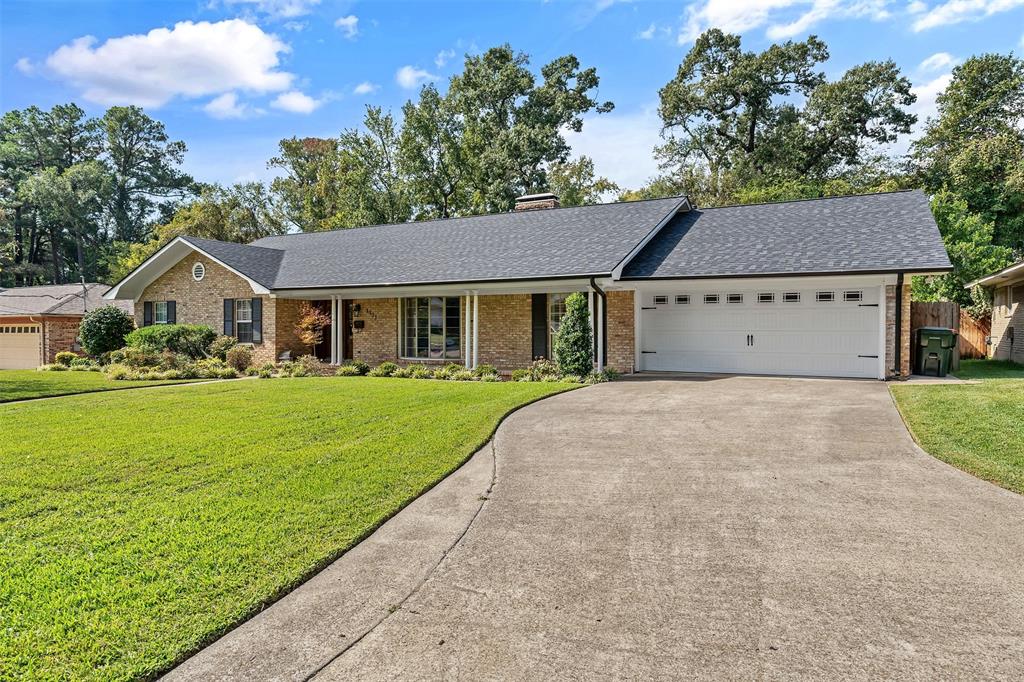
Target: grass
x,y
137,526
22,384
978,428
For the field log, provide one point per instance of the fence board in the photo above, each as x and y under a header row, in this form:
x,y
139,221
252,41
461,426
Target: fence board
x,y
948,314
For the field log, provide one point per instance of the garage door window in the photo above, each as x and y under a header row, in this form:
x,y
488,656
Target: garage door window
x,y
853,296
683,299
711,298
826,296
766,298
660,300
791,297
734,298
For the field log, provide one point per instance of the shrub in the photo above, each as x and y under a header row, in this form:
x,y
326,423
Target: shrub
x,y
521,375
105,329
118,372
361,366
55,367
573,342
220,346
347,371
226,373
462,375
420,372
448,370
65,357
194,340
541,369
239,357
83,365
485,370
137,357
491,377
402,373
384,369
312,366
265,373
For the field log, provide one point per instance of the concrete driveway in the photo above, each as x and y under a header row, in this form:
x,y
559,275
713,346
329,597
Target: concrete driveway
x,y
663,529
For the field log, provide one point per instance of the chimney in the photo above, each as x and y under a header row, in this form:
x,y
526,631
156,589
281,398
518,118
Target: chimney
x,y
535,202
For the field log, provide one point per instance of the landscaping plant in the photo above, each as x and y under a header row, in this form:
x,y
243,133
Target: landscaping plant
x,y
311,325
104,330
573,342
193,340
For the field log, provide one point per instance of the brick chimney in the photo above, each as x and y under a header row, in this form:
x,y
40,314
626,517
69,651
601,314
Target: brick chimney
x,y
535,202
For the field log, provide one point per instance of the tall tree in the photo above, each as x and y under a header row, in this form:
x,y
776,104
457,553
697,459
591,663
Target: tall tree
x,y
435,156
577,184
145,164
309,192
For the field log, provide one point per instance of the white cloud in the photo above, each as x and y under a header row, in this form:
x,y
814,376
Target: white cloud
x,y
366,88
925,106
938,62
410,77
443,57
189,60
25,66
647,33
296,102
784,18
916,7
349,25
278,9
621,145
294,26
227,106
957,11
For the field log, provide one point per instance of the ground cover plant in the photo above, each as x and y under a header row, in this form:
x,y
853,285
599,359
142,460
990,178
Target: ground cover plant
x,y
975,427
172,515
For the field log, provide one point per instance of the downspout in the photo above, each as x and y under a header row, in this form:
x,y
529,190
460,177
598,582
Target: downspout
x,y
898,335
602,345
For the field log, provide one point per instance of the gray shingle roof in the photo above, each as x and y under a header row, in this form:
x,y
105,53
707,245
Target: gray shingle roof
x,y
875,232
589,240
56,299
256,263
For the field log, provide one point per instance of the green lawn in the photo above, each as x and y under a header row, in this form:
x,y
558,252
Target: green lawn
x,y
135,526
20,384
975,427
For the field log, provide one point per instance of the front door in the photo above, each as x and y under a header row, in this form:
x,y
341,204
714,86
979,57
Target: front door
x,y
346,330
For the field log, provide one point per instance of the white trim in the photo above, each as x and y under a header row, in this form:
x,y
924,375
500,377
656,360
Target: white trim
x,y
466,330
617,271
637,352
601,333
412,291
334,331
881,332
476,329
163,264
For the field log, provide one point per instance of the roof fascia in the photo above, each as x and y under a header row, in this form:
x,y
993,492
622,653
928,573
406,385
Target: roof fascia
x,y
996,277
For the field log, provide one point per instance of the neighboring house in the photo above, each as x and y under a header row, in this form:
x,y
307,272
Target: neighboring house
x,y
36,323
1007,312
803,287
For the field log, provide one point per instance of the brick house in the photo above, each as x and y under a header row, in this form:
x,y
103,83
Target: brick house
x,y
816,287
1007,287
36,323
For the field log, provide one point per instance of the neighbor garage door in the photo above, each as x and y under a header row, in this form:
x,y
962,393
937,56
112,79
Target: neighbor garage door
x,y
790,330
20,346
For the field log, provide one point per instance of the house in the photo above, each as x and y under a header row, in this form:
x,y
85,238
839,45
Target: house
x,y
1007,287
36,323
814,287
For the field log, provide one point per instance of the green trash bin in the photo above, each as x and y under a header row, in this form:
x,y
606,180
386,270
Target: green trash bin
x,y
935,347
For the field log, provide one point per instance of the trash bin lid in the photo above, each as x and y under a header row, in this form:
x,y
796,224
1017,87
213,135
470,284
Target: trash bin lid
x,y
937,330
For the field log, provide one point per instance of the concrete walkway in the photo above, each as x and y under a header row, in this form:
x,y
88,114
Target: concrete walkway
x,y
706,528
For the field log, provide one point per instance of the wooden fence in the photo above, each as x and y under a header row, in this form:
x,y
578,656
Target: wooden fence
x,y
947,314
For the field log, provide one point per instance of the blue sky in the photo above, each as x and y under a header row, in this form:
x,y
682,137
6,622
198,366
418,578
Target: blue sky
x,y
232,77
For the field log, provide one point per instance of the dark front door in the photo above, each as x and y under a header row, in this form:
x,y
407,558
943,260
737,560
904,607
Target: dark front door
x,y
322,350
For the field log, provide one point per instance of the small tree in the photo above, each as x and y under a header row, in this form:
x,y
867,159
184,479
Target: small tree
x,y
311,325
104,329
574,340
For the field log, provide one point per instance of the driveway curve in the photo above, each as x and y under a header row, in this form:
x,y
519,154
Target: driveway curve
x,y
717,527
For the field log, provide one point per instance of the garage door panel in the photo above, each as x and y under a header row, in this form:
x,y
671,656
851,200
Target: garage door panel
x,y
20,346
809,337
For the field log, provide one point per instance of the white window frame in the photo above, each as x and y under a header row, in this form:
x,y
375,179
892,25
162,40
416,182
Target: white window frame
x,y
156,313
712,299
766,297
786,297
661,299
202,271
403,351
556,311
682,299
729,298
853,296
240,304
825,296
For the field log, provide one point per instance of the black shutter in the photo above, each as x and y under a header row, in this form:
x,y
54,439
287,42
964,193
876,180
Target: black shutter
x,y
229,317
257,320
147,313
172,317
540,325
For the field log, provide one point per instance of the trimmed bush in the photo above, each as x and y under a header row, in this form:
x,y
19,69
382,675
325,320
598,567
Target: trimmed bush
x,y
542,369
402,373
55,367
239,357
573,342
348,371
105,329
463,375
361,366
312,366
485,370
420,372
65,357
193,340
384,369
521,375
220,346
265,373
490,377
448,370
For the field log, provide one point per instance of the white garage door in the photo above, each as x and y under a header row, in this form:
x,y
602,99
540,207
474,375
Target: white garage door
x,y
20,346
820,331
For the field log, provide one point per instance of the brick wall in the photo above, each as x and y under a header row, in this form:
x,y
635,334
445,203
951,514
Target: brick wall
x,y
506,331
890,331
620,332
377,341
203,302
60,334
1005,315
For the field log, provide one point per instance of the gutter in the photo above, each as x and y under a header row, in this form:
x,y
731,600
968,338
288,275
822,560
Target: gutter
x,y
898,336
604,324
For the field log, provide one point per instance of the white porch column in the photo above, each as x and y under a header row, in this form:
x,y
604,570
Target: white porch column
x,y
476,327
600,333
593,318
467,330
334,331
